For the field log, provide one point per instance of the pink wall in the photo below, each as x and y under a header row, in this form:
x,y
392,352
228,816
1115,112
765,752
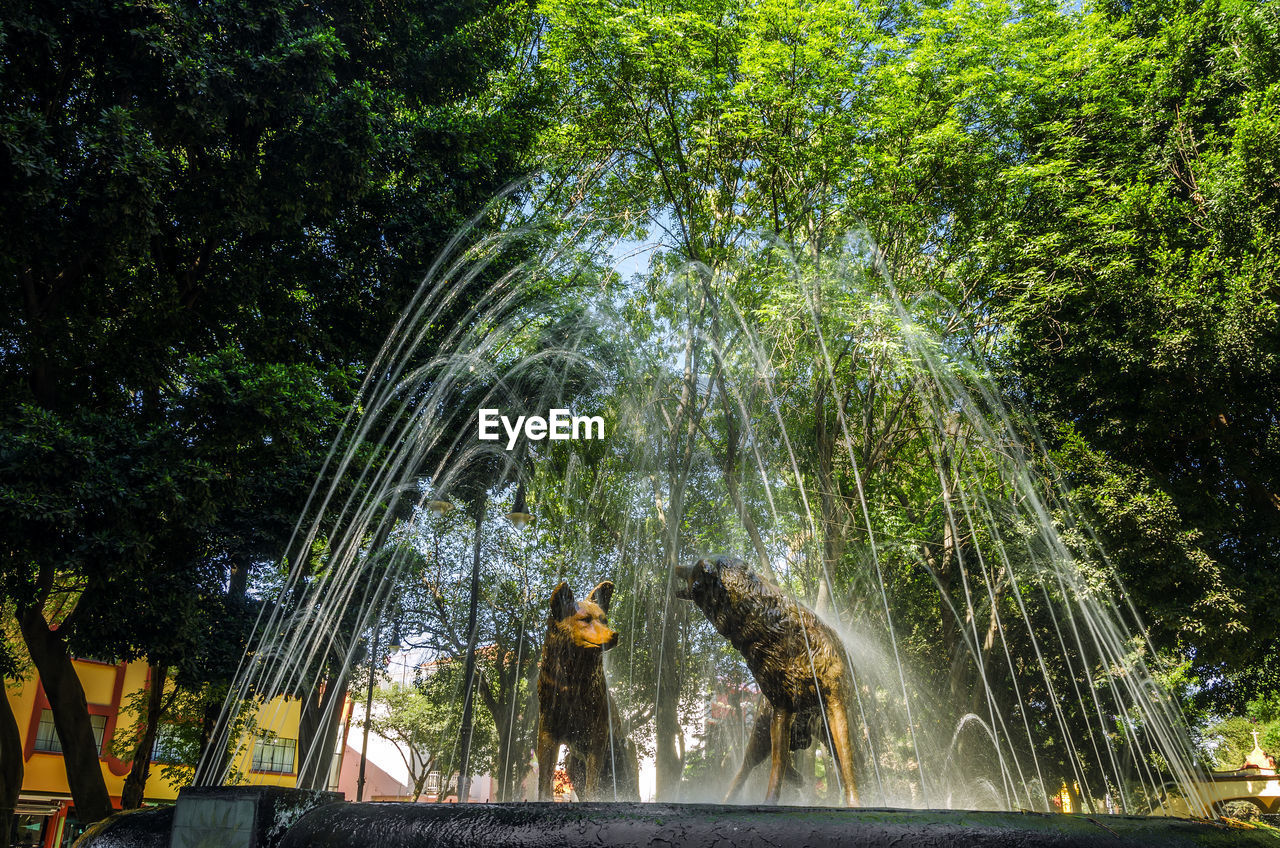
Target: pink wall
x,y
380,786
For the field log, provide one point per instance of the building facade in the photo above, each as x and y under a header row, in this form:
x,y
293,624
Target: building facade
x,y
45,812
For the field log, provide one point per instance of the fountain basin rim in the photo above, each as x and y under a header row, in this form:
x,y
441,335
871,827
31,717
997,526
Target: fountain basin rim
x,y
389,824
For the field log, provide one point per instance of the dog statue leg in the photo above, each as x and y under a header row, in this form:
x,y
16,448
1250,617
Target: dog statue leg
x,y
547,749
780,735
759,745
842,748
592,787
738,780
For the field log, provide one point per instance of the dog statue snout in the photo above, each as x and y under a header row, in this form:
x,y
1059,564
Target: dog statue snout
x,y
683,583
686,578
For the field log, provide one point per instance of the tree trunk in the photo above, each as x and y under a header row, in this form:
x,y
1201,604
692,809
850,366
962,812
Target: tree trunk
x,y
669,764
238,582
136,783
955,634
833,513
308,730
10,765
318,731
501,709
733,444
469,674
368,713
731,462
667,732
208,734
681,433
70,710
505,708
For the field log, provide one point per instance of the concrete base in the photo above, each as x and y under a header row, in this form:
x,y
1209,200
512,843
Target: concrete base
x,y
217,817
402,825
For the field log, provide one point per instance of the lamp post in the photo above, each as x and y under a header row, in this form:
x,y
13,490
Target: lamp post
x,y
380,538
368,701
469,674
520,518
396,646
368,714
439,508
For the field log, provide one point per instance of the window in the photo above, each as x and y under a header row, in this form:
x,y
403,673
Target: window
x,y
47,735
168,746
28,831
275,755
335,771
433,783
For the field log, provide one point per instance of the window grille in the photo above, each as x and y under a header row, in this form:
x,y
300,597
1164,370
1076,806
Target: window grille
x,y
47,735
274,755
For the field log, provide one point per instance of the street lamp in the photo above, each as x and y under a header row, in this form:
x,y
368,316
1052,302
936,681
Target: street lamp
x,y
368,712
519,516
439,508
480,506
394,647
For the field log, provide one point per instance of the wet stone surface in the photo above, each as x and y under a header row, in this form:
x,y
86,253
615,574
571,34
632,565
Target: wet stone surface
x,y
392,825
148,828
717,826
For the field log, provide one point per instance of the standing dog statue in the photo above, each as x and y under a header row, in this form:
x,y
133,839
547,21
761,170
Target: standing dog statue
x,y
798,662
574,706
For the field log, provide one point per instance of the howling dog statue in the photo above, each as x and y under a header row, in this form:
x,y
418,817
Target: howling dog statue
x,y
798,662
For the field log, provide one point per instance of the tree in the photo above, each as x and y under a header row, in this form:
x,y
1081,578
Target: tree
x,y
1134,267
435,607
421,720
723,128
11,762
201,195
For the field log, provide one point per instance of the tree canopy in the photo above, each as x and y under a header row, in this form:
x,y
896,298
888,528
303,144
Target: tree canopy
x,y
213,213
945,301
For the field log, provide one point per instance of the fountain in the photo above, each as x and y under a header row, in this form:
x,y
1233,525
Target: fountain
x,y
840,435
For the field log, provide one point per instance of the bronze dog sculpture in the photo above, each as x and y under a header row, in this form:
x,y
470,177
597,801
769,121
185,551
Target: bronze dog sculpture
x,y
574,705
798,662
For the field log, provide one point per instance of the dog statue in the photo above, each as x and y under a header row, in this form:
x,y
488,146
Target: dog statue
x,y
574,705
798,662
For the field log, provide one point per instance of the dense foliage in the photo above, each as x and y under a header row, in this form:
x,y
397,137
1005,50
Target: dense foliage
x,y
214,212
1136,274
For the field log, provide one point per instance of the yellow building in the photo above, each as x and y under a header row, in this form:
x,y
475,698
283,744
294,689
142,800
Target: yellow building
x,y
46,816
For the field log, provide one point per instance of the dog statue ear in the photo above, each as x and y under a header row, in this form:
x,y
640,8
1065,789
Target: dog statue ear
x,y
562,603
602,594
